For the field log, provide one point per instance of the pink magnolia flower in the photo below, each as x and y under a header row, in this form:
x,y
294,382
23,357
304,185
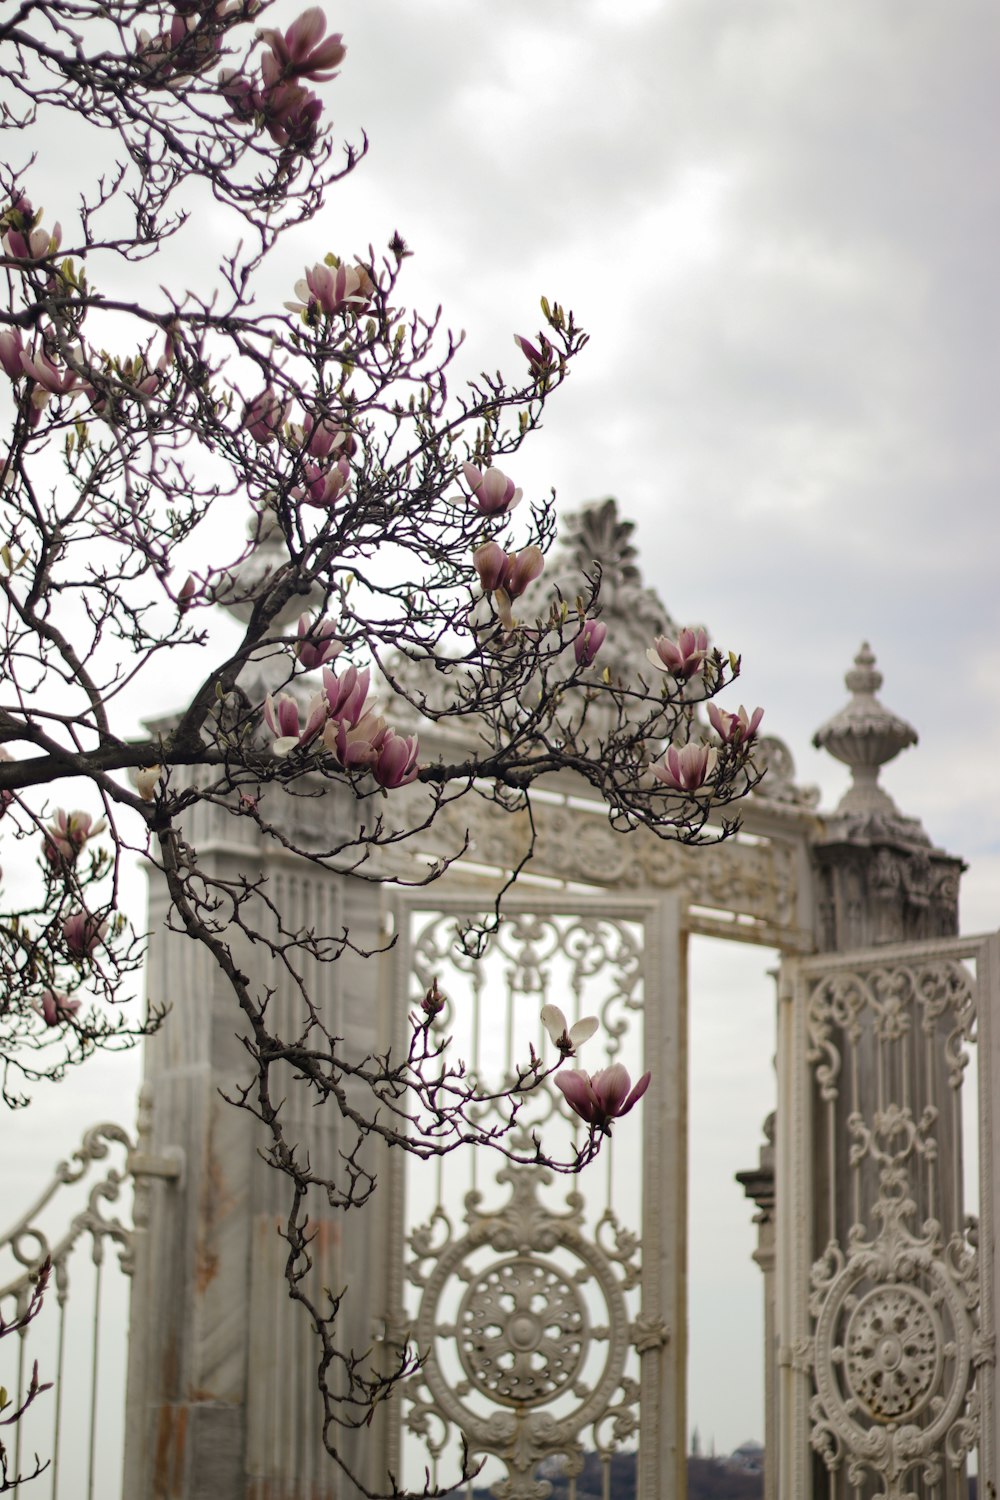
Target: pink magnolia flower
x,y
684,657
589,641
330,289
540,360
357,745
525,567
316,643
55,1007
291,115
265,415
506,574
22,239
493,492
66,835
186,593
491,563
283,721
183,49
301,52
601,1097
345,695
47,374
322,437
11,350
735,729
82,933
243,96
395,762
567,1038
323,487
688,768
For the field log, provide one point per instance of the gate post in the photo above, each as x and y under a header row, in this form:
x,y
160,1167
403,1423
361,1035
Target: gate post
x,y
222,1401
872,1046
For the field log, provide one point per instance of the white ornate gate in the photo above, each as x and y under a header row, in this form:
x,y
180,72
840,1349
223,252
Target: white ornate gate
x,y
544,1331
886,1312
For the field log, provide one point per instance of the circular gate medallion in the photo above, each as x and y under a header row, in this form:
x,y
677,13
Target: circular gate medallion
x,y
893,1352
521,1331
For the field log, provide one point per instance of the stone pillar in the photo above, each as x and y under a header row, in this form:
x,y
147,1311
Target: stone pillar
x,y
222,1401
758,1184
872,1034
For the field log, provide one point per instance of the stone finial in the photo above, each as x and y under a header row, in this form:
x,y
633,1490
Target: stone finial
x,y
865,735
267,554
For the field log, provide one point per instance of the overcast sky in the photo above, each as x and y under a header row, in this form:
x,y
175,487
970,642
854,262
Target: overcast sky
x,y
779,222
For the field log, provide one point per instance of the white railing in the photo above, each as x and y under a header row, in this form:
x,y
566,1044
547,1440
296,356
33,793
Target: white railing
x,y
79,1343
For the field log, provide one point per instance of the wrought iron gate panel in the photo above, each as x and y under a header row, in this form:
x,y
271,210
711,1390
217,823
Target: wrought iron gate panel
x,y
885,1282
64,1424
524,1290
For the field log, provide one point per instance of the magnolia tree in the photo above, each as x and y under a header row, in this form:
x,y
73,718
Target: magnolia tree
x,y
143,413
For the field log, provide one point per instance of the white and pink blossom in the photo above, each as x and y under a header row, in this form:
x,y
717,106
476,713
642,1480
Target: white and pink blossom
x,y
567,1038
735,729
687,768
684,657
493,492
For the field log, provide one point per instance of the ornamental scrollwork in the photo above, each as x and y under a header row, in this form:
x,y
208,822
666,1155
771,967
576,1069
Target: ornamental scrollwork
x,y
523,1331
896,1343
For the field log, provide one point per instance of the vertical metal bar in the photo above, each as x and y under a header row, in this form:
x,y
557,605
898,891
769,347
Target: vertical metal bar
x,y
60,1349
21,1336
94,1367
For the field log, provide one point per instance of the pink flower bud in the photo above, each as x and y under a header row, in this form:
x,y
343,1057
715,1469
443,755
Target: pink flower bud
x,y
316,643
186,594
540,360
525,567
589,642
82,933
345,695
11,350
396,761
492,564
265,415
55,1007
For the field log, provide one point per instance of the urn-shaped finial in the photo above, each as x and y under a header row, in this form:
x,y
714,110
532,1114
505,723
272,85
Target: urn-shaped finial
x,y
864,735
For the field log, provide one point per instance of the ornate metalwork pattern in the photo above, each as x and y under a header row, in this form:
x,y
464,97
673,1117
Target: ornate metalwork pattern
x,y
894,1352
541,1332
28,1244
528,1315
521,1331
895,1297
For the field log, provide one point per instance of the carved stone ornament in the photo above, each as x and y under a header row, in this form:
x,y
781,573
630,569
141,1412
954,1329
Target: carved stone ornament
x,y
896,1343
535,1351
865,735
